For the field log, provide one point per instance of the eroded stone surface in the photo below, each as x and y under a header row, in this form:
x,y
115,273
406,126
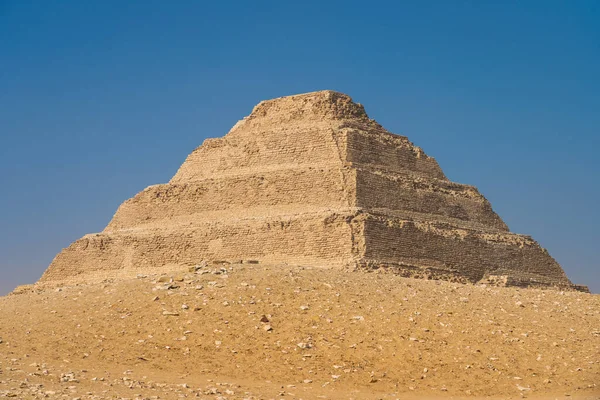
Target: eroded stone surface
x,y
311,180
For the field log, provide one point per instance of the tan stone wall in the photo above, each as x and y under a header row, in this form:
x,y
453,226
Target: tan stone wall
x,y
310,179
379,189
320,239
299,189
381,149
467,253
243,151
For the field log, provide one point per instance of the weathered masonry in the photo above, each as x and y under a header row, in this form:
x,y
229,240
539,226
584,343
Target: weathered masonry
x,y
311,180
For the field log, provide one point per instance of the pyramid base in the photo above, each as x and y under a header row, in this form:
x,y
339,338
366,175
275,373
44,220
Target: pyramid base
x,y
332,239
455,252
320,239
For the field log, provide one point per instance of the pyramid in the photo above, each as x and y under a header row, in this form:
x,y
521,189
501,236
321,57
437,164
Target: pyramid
x,y
311,180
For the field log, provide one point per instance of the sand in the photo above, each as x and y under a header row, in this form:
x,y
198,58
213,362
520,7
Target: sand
x,y
258,331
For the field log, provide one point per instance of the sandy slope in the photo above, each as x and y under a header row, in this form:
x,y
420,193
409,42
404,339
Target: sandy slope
x,y
330,334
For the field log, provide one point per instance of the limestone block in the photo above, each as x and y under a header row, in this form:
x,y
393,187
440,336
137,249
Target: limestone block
x,y
311,180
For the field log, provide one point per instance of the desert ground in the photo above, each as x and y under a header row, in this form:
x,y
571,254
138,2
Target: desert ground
x,y
244,331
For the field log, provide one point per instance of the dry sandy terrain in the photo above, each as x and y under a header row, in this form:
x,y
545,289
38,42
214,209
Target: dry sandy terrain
x,y
253,331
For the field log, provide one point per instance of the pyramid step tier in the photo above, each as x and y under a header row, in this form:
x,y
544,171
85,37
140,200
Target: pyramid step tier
x,y
468,254
306,143
305,188
324,238
317,239
384,189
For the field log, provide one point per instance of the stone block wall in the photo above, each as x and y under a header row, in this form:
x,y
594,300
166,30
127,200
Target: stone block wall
x,y
310,179
241,152
460,252
406,192
295,189
317,239
381,149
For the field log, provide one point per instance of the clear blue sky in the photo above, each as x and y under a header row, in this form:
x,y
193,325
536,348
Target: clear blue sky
x,y
99,99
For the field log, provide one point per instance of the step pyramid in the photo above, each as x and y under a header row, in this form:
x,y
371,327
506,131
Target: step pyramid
x,y
311,180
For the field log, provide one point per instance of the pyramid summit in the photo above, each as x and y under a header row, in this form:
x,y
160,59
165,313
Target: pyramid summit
x,y
310,179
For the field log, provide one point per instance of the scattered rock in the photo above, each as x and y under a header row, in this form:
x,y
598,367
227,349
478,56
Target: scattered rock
x,y
174,314
305,344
